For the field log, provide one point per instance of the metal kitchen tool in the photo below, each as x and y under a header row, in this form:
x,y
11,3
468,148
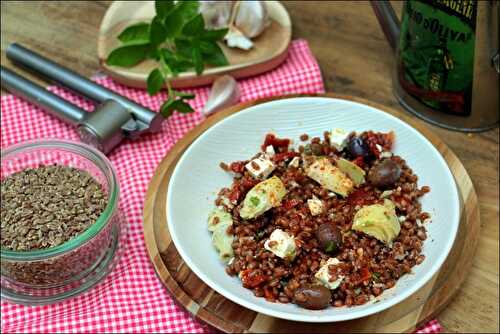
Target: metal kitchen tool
x,y
114,118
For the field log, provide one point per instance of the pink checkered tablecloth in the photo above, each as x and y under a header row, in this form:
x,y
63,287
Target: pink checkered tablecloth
x,y
132,299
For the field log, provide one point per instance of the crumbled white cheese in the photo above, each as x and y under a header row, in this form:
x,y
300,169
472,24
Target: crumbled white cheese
x,y
379,148
419,222
332,194
323,276
281,244
338,139
315,206
386,154
263,167
402,219
295,162
386,193
230,261
270,151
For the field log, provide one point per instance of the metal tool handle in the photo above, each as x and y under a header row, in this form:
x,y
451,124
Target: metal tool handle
x,y
41,97
31,60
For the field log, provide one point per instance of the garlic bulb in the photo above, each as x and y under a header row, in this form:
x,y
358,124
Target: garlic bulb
x,y
216,14
235,39
251,17
225,92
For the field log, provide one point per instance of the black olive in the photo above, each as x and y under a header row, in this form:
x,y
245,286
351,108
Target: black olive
x,y
329,238
315,297
357,147
384,174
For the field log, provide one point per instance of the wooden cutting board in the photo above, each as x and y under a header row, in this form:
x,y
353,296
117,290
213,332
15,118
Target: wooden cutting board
x,y
270,48
209,306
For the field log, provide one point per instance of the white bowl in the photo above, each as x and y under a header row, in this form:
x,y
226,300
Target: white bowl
x,y
197,178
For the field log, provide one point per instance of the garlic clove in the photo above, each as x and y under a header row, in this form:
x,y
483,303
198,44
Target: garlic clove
x,y
216,14
224,93
235,39
251,17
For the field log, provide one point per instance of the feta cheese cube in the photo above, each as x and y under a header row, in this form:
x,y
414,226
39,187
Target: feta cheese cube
x,y
315,206
270,151
260,168
281,244
295,162
338,139
323,276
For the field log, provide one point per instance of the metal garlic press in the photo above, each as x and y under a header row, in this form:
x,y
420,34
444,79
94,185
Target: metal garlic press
x,y
114,118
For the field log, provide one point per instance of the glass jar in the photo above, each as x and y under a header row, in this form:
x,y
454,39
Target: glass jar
x,y
49,275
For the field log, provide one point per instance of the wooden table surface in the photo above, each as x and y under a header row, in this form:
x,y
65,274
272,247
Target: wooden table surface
x,y
355,59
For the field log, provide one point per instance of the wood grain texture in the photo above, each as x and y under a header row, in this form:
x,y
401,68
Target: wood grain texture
x,y
355,59
227,316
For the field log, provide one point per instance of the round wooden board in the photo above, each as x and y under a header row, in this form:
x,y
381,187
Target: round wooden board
x,y
207,305
270,48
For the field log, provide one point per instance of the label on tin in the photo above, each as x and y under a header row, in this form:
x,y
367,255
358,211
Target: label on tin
x,y
436,53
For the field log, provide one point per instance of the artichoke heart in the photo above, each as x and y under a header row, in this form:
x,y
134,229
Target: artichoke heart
x,y
218,223
355,173
330,177
262,197
217,217
379,221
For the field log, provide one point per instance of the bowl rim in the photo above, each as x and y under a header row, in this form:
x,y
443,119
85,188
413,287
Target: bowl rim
x,y
101,162
318,316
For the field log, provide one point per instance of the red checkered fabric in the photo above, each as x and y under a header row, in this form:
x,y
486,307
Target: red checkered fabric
x,y
131,298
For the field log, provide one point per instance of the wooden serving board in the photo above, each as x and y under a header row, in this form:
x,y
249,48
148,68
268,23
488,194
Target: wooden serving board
x,y
209,306
270,48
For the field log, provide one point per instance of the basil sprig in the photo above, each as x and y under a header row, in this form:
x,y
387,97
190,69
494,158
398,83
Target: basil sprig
x,y
178,40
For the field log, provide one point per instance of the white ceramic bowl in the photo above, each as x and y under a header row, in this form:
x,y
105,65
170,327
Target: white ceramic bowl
x,y
197,178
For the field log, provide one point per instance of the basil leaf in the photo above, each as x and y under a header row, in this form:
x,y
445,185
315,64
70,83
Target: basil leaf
x,y
157,34
173,23
128,55
134,33
216,57
214,35
183,107
194,27
188,9
163,8
155,81
185,96
169,106
183,47
197,60
175,62
153,53
166,109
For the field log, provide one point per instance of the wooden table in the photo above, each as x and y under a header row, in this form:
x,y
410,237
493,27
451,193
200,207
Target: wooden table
x,y
355,59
